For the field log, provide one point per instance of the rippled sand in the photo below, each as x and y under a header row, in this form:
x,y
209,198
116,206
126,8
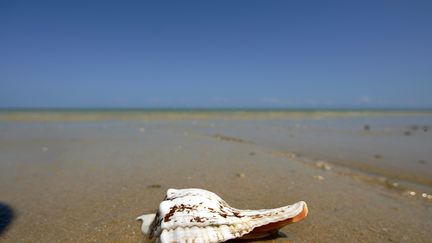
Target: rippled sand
x,y
82,180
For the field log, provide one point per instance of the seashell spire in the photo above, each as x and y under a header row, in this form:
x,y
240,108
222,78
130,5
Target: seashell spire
x,y
197,215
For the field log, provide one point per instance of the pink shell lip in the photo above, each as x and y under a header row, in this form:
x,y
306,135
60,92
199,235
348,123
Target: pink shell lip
x,y
271,228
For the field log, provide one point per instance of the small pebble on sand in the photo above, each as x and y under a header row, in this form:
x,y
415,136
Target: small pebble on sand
x,y
154,186
378,156
412,193
241,174
421,161
44,148
407,133
323,165
318,177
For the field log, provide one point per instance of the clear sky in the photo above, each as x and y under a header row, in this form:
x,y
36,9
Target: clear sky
x,y
216,54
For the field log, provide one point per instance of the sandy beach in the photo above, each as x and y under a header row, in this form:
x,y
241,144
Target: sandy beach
x,y
85,177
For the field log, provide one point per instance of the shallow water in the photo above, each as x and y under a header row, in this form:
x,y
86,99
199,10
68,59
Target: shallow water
x,y
399,147
395,145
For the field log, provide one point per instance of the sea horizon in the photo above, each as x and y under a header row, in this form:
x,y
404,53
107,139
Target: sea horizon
x,y
215,109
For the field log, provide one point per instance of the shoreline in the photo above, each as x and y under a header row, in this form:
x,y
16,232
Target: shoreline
x,y
50,115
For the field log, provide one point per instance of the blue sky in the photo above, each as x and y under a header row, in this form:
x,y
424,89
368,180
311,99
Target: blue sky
x,y
216,54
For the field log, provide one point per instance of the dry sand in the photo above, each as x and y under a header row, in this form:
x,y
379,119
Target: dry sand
x,y
87,181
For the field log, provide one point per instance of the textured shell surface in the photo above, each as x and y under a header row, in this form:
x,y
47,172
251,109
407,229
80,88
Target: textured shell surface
x,y
197,215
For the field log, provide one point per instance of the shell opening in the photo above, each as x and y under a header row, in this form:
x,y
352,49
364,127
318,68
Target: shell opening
x,y
268,229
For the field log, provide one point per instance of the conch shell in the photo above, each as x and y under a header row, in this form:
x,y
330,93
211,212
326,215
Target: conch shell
x,y
197,215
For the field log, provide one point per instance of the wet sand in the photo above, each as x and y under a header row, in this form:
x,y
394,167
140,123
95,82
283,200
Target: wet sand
x,y
86,180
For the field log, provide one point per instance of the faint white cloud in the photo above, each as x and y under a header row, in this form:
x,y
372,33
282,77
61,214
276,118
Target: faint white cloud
x,y
273,101
311,102
365,99
220,100
328,102
121,101
154,101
